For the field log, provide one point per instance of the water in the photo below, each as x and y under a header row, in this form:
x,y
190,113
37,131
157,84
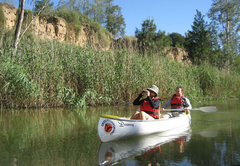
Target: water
x,y
69,137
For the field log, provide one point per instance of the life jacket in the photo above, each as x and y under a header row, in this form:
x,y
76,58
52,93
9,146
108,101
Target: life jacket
x,y
148,153
177,101
146,107
180,140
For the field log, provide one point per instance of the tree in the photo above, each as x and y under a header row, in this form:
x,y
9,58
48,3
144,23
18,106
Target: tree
x,y
162,41
177,40
40,4
149,41
114,20
19,23
199,42
225,15
84,7
146,35
101,11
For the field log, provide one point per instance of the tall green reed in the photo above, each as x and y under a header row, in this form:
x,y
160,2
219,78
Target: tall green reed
x,y
49,73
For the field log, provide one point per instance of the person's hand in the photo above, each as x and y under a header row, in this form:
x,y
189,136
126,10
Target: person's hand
x,y
148,92
186,110
145,92
162,109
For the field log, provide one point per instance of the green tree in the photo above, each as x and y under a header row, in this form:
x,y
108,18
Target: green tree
x,y
114,20
225,15
84,7
150,41
146,35
101,11
199,42
161,41
98,13
40,4
177,39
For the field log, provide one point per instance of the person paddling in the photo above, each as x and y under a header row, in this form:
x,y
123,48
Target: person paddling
x,y
177,101
149,106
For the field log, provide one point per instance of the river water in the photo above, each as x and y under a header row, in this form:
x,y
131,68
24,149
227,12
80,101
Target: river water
x,y
69,137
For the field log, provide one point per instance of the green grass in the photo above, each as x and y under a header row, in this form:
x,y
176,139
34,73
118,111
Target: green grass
x,y
49,73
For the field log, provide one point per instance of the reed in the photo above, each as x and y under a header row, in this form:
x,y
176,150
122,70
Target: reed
x,y
49,73
47,134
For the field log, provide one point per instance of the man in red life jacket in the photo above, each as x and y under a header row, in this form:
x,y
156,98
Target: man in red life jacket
x,y
150,157
149,106
177,101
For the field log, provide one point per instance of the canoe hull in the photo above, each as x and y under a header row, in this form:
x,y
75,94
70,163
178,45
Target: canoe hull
x,y
112,128
115,151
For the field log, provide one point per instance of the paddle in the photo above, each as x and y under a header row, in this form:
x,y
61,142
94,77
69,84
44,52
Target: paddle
x,y
208,133
203,109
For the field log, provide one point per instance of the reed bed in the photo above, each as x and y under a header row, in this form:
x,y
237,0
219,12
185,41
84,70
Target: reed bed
x,y
45,135
46,73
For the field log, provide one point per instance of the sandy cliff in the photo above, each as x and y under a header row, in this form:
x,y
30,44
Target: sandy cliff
x,y
57,28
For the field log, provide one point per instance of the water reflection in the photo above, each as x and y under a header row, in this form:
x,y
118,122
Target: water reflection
x,y
42,137
145,149
208,133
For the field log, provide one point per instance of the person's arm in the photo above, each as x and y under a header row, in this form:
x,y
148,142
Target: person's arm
x,y
154,104
137,101
168,103
188,104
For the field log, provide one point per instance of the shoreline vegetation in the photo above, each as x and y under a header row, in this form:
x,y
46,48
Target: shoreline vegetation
x,y
44,73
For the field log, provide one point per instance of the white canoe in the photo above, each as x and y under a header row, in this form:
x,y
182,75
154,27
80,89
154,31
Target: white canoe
x,y
116,151
112,128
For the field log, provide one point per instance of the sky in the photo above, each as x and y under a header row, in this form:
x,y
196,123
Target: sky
x,y
168,15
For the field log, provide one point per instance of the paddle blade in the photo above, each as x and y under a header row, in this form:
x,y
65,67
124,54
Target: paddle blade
x,y
208,133
208,109
203,109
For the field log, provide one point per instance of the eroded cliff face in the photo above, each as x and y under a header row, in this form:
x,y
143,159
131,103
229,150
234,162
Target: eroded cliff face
x,y
10,14
57,28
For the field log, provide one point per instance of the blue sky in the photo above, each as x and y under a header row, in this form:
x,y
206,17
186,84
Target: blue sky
x,y
169,15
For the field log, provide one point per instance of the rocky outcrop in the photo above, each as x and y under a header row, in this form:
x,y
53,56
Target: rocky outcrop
x,y
177,54
10,14
120,43
57,28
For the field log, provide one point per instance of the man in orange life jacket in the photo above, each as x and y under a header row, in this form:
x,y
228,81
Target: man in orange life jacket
x,y
150,106
177,101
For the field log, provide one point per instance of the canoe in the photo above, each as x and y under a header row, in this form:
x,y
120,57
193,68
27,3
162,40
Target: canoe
x,y
112,127
120,150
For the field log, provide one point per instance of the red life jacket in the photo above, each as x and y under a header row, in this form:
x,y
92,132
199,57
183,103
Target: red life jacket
x,y
148,153
146,107
177,101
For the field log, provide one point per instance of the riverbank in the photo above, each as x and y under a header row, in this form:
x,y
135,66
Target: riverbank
x,y
49,73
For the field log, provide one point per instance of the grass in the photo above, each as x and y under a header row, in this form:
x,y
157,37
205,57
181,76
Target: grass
x,y
49,73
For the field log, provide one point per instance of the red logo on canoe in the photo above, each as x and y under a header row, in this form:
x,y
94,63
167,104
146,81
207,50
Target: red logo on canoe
x,y
108,127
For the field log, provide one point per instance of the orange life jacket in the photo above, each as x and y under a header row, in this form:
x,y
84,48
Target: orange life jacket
x,y
146,107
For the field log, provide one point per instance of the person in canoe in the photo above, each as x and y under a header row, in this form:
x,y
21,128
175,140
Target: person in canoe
x,y
177,101
150,157
149,106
